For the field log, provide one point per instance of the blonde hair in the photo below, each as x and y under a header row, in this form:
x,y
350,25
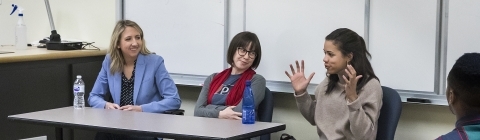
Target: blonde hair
x,y
117,61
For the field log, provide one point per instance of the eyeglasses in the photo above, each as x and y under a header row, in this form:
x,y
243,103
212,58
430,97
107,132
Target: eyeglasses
x,y
242,52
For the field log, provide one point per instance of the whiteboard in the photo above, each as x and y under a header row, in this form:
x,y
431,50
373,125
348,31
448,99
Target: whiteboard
x,y
292,30
402,43
188,34
463,30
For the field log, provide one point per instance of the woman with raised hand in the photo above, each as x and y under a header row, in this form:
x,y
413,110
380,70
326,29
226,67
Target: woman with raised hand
x,y
347,102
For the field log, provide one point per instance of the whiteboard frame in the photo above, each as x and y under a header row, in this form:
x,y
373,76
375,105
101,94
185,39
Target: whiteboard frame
x,y
442,40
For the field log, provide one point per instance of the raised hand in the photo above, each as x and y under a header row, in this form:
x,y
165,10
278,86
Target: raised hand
x,y
351,83
298,80
228,113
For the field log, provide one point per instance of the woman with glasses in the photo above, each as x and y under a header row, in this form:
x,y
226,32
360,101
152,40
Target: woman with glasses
x,y
221,94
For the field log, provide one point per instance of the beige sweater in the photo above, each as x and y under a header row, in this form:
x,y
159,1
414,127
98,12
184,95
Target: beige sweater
x,y
336,119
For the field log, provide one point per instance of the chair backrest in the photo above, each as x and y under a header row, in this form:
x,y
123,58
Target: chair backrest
x,y
389,114
265,111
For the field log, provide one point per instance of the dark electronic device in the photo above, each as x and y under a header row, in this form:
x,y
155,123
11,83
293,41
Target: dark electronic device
x,y
55,42
418,100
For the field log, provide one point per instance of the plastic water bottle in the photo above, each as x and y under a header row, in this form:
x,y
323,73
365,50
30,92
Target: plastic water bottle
x,y
20,29
21,36
248,106
78,92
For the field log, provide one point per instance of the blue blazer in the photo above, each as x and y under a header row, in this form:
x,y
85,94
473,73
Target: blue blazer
x,y
154,89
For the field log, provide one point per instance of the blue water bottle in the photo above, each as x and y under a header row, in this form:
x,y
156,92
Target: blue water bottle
x,y
248,106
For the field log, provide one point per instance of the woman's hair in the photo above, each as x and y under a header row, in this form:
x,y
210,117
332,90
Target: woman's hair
x,y
116,55
242,39
464,79
349,42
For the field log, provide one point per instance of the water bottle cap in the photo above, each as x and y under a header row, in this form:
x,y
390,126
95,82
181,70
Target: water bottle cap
x,y
79,76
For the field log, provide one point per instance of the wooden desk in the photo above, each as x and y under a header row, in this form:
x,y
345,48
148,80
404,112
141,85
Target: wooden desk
x,y
37,54
39,79
148,124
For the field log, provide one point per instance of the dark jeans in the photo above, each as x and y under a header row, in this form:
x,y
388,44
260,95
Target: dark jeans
x,y
110,136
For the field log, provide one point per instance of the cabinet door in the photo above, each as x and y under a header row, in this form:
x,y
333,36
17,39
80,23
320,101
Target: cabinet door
x,y
29,87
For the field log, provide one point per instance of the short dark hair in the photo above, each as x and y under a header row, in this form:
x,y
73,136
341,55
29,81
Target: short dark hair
x,y
348,41
242,39
464,79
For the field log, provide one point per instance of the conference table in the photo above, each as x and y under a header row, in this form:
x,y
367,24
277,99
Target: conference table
x,y
146,124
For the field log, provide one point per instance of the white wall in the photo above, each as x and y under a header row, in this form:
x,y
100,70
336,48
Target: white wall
x,y
86,20
83,20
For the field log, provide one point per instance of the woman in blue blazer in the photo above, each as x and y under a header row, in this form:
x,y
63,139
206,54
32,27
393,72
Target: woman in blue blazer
x,y
136,79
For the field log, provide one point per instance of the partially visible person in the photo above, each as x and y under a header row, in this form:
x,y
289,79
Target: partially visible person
x,y
222,93
463,96
347,102
134,78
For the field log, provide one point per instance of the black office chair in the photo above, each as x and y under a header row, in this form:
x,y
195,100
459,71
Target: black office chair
x,y
389,114
265,111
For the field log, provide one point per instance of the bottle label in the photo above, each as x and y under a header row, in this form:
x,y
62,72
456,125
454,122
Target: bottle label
x,y
78,89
